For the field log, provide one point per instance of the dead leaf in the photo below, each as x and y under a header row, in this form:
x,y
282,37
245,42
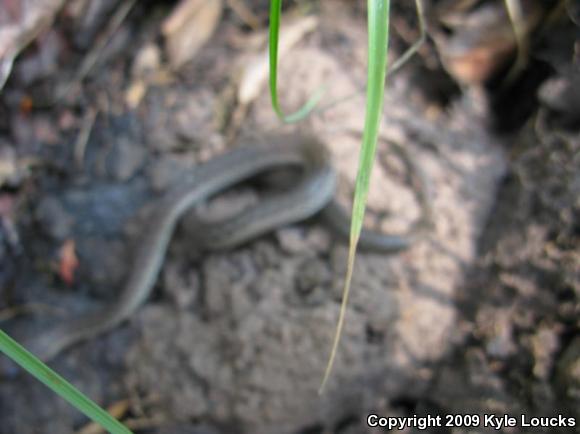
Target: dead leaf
x,y
180,16
20,23
146,70
189,27
147,61
256,72
68,262
135,93
26,105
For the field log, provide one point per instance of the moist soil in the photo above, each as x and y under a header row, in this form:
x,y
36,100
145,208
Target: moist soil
x,y
480,317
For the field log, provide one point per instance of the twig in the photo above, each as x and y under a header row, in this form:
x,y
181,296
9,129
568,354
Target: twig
x,y
94,55
83,137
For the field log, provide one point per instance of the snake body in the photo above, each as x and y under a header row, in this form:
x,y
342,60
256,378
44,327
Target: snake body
x,y
314,193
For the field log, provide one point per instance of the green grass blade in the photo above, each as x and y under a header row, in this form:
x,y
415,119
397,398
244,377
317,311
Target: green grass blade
x,y
396,65
59,385
275,12
378,29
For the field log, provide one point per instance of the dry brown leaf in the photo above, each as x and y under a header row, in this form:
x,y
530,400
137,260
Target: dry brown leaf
x,y
135,93
189,27
146,70
255,74
147,61
180,16
68,262
20,23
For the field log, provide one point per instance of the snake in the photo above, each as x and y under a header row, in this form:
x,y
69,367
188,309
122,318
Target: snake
x,y
313,194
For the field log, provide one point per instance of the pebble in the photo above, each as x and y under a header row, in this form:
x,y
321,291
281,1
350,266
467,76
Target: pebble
x,y
164,172
313,273
105,263
292,240
54,219
125,160
568,371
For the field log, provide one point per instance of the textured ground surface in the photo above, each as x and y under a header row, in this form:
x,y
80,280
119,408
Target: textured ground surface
x,y
481,316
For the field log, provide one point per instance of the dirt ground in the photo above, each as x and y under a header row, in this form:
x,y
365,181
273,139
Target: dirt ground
x,y
109,107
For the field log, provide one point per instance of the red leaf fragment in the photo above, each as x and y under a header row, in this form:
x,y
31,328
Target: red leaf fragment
x,y
68,262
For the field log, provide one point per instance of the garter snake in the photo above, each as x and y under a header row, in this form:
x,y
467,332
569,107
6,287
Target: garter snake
x,y
314,193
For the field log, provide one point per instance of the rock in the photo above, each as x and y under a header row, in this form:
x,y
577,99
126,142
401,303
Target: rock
x,y
560,97
164,172
147,61
292,240
312,274
54,219
105,263
568,372
193,120
125,160
9,171
545,343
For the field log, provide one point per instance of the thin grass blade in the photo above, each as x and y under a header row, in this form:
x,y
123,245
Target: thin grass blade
x,y
378,29
275,13
59,385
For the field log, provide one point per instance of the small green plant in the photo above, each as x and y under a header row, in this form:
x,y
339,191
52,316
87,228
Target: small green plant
x,y
378,40
59,385
275,12
378,29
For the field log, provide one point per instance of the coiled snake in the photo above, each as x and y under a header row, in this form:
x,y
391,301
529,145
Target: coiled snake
x,y
314,193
